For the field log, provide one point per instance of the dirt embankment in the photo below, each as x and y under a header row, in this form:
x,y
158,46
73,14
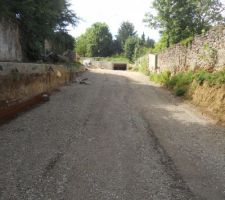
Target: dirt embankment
x,y
211,99
18,86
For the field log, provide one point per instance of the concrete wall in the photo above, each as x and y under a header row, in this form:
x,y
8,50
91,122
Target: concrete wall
x,y
152,62
205,51
109,65
10,47
102,64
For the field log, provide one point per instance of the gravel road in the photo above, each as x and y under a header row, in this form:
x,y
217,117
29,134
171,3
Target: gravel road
x,y
120,137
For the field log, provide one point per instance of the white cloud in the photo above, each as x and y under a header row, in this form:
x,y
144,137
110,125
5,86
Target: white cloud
x,y
113,13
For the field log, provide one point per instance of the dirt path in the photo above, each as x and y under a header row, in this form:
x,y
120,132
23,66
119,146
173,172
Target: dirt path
x,y
121,137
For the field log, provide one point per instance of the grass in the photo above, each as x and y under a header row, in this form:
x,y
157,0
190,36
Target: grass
x,y
215,78
181,82
162,78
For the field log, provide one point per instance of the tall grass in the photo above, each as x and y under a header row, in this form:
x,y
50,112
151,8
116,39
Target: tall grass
x,y
182,81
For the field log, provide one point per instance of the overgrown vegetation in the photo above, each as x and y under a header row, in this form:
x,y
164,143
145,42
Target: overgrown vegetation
x,y
96,41
178,20
187,41
209,55
38,21
181,82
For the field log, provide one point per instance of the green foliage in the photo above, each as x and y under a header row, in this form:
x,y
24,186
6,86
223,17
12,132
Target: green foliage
x,y
62,42
178,82
149,43
38,20
162,78
214,78
182,81
99,40
81,45
209,55
180,91
117,47
202,76
187,41
96,42
162,44
129,47
143,40
140,51
125,31
142,65
179,20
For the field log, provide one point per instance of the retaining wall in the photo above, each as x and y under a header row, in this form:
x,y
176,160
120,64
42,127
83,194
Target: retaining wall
x,y
102,64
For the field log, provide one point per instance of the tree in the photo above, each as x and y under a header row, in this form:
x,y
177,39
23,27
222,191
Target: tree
x,y
178,20
61,42
125,31
38,20
149,43
117,48
99,40
81,45
143,39
96,41
207,13
130,46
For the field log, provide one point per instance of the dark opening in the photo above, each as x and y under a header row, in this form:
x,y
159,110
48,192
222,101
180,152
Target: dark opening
x,y
120,66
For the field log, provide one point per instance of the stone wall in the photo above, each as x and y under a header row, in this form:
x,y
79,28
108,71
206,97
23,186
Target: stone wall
x,y
10,47
205,51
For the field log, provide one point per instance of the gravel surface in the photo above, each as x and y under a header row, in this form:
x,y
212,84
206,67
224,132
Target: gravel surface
x,y
119,137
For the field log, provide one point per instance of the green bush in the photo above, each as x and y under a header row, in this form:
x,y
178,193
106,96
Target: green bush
x,y
181,82
202,76
214,78
181,79
180,91
162,78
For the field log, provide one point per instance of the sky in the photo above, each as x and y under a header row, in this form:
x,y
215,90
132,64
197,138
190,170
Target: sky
x,y
113,13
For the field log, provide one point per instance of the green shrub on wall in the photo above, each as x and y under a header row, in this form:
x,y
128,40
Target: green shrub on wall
x,y
182,81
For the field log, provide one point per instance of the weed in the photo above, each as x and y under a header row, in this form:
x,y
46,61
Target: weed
x,y
162,78
180,91
214,78
187,41
183,81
